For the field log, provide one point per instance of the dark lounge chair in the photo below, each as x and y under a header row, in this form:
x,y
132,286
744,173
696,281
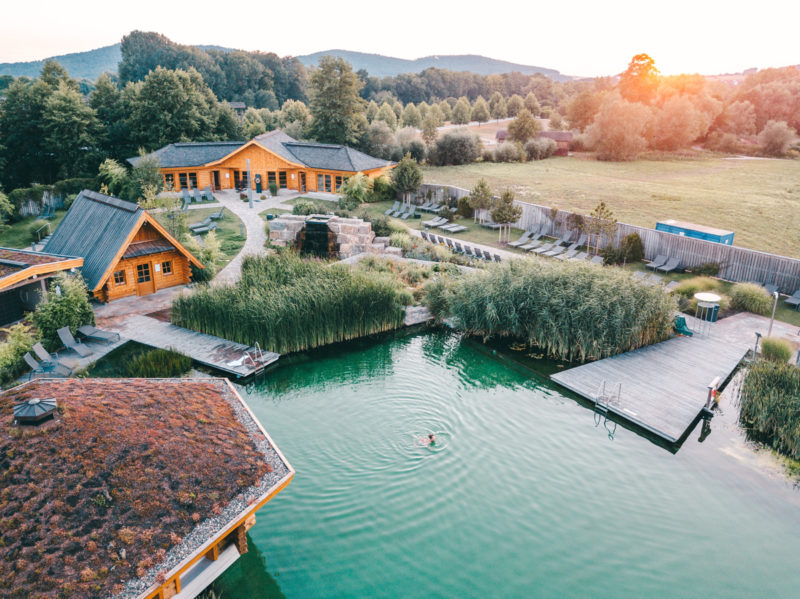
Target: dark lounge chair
x,y
392,209
44,355
200,225
522,240
580,256
533,242
659,260
672,264
206,229
771,288
91,332
794,299
43,368
545,248
70,342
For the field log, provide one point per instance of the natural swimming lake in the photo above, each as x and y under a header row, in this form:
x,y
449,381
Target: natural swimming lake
x,y
522,497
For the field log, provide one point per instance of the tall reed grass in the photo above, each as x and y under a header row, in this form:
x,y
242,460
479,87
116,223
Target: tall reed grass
x,y
288,304
770,405
573,312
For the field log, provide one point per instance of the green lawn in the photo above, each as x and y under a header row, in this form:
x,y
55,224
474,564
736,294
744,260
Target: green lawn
x,y
18,235
757,199
230,229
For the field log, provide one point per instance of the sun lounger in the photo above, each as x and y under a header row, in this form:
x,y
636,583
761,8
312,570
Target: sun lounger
x,y
186,196
669,287
70,342
596,260
200,225
208,194
392,209
424,235
545,248
559,249
456,229
580,256
490,225
794,299
218,215
522,240
459,248
581,241
533,242
449,243
771,288
497,258
660,260
672,264
487,255
44,368
198,197
44,355
435,222
567,255
91,332
205,229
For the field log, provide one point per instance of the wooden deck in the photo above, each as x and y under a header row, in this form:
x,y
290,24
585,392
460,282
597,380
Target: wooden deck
x,y
215,352
664,386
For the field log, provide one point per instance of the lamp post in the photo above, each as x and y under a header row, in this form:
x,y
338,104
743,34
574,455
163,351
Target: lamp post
x,y
774,305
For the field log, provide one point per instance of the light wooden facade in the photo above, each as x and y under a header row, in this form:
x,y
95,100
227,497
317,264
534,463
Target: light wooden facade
x,y
152,260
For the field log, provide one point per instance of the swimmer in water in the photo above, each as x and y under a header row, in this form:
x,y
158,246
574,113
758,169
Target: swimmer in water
x,y
431,439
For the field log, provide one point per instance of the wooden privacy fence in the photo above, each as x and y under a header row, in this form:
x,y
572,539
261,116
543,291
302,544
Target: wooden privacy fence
x,y
735,263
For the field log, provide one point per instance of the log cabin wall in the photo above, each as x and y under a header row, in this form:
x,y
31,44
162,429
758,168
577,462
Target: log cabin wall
x,y
117,286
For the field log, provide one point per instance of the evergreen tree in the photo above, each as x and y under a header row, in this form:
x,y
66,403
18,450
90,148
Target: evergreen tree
x,y
337,110
524,127
480,111
406,177
106,100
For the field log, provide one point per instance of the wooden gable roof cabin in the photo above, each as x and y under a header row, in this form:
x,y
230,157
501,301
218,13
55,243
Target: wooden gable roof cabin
x,y
274,157
132,488
125,250
23,279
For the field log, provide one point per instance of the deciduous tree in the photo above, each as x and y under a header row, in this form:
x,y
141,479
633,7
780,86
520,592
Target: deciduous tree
x,y
618,132
775,138
524,127
480,111
505,212
639,82
514,105
480,199
461,112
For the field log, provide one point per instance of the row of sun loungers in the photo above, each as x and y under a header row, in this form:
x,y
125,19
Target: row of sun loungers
x,y
664,264
403,212
51,365
445,225
459,248
208,224
195,195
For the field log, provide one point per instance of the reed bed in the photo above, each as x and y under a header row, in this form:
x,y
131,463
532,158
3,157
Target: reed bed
x,y
573,312
288,304
770,405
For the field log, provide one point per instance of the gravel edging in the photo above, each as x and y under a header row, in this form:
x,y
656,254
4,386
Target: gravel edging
x,y
213,525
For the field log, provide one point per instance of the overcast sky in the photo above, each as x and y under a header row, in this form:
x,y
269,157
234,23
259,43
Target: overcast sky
x,y
578,37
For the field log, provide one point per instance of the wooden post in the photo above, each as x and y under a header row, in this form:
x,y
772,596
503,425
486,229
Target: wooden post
x,y
241,539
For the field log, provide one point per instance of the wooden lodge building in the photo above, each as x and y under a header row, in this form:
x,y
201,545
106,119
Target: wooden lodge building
x,y
23,279
129,488
125,250
274,157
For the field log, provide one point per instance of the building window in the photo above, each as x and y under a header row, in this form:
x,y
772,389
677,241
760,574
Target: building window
x,y
245,180
338,182
193,180
327,182
119,277
272,177
282,179
183,180
320,182
143,273
166,267
169,181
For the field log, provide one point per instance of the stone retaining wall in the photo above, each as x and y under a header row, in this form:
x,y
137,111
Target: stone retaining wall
x,y
353,235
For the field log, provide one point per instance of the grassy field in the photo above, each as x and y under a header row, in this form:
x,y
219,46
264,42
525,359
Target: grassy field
x,y
757,199
18,235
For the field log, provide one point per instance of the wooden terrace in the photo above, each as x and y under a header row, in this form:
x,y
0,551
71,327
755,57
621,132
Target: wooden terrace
x,y
227,356
663,388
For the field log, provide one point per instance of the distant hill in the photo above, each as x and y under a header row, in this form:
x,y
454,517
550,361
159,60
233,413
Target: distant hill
x,y
80,65
384,66
91,64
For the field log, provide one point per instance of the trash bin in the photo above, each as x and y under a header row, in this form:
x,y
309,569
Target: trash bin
x,y
713,313
258,183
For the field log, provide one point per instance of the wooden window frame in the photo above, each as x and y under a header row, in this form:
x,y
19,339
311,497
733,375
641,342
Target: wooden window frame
x,y
193,180
282,179
272,177
338,182
119,277
166,267
169,181
183,180
143,269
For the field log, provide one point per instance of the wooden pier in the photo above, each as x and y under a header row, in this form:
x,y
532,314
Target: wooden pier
x,y
218,353
662,387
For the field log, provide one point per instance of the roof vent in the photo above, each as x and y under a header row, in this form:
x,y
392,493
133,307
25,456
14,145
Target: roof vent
x,y
34,411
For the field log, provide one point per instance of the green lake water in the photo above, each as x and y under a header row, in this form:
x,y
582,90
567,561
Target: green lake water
x,y
521,497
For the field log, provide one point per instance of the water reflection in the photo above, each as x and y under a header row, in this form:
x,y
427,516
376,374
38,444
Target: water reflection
x,y
248,577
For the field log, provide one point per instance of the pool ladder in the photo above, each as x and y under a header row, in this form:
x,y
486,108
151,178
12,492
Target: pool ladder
x,y
602,402
257,359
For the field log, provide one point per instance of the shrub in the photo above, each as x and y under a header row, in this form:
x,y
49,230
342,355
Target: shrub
x,y
689,287
273,188
776,350
456,147
158,364
631,249
464,209
33,229
202,275
66,305
571,311
67,187
354,191
775,138
508,152
401,240
415,148
287,304
19,340
380,224
381,191
770,405
539,149
306,207
262,197
750,297
709,269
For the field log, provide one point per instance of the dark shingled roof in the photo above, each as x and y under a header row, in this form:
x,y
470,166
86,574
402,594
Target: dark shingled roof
x,y
312,155
94,227
191,154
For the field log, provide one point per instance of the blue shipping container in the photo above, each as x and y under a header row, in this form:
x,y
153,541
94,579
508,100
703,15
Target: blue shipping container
x,y
696,231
